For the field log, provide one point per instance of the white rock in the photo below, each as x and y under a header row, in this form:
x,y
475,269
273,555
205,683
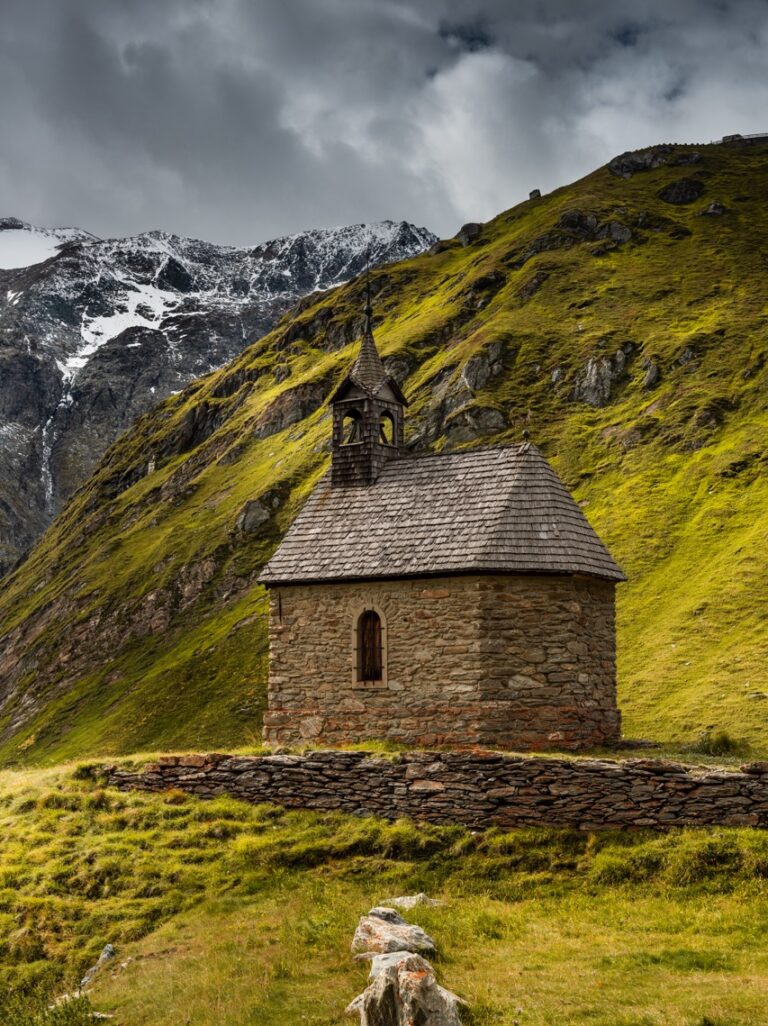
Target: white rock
x,y
404,991
413,900
107,954
384,930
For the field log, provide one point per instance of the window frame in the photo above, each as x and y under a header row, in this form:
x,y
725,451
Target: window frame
x,y
357,679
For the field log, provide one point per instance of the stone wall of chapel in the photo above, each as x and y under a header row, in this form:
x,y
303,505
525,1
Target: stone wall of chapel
x,y
548,661
522,662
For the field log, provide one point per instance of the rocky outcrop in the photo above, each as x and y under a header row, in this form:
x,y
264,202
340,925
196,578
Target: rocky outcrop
x,y
98,331
468,233
634,161
482,366
473,422
714,209
251,517
652,374
532,286
682,192
573,227
290,407
595,384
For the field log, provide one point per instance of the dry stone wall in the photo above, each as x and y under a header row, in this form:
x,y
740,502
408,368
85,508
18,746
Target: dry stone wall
x,y
515,661
479,789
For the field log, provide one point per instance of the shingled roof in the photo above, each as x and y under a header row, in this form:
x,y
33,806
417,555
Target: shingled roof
x,y
496,510
368,371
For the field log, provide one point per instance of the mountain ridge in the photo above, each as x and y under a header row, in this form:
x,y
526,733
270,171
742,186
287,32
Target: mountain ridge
x,y
625,330
94,331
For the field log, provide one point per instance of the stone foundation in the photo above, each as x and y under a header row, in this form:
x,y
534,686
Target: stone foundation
x,y
479,789
516,661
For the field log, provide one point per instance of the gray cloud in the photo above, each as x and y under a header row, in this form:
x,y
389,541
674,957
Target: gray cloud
x,y
237,120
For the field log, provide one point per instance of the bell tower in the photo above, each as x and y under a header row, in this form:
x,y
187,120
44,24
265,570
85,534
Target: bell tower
x,y
368,412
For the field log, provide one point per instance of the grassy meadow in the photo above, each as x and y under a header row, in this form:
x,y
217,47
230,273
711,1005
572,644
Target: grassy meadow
x,y
225,914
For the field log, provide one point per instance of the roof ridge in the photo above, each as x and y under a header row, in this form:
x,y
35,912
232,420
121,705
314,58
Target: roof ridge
x,y
413,456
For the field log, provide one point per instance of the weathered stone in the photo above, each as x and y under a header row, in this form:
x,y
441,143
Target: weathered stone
x,y
404,992
579,222
414,900
595,384
107,954
251,516
469,232
530,287
682,191
384,930
628,164
504,669
715,209
477,788
652,374
615,231
474,422
482,366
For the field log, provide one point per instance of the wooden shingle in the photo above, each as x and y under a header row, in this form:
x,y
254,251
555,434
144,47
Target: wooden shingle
x,y
494,510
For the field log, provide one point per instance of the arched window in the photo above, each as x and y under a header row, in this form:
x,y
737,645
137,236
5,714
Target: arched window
x,y
369,646
387,428
352,428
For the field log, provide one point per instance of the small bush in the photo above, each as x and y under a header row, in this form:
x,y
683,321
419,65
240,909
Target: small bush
x,y
717,742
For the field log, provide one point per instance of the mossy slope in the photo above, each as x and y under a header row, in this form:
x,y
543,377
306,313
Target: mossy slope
x,y
136,622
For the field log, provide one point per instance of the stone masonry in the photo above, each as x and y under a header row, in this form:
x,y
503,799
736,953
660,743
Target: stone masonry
x,y
479,789
524,661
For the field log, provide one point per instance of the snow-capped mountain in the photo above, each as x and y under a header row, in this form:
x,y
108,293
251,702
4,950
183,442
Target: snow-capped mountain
x,y
93,332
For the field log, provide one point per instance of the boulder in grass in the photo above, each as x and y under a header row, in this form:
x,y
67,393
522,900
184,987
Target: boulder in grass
x,y
682,191
384,930
403,991
414,900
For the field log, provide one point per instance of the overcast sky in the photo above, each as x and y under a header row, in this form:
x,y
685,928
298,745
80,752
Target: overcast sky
x,y
240,120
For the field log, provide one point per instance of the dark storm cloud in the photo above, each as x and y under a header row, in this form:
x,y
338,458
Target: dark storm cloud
x,y
236,120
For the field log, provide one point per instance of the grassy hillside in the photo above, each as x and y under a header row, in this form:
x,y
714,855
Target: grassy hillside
x,y
626,332
229,914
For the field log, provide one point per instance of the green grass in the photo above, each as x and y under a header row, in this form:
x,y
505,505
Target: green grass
x,y
225,914
136,623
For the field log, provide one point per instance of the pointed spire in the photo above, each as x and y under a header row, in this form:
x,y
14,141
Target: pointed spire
x,y
368,371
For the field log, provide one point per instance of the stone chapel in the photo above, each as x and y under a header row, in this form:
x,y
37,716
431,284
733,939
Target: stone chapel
x,y
458,599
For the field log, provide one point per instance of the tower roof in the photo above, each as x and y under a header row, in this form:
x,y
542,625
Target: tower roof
x,y
497,510
368,370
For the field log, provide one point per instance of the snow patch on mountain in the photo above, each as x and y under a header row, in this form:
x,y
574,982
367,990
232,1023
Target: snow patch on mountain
x,y
23,245
143,306
93,332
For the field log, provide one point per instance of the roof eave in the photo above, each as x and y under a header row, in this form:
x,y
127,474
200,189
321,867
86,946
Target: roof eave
x,y
279,582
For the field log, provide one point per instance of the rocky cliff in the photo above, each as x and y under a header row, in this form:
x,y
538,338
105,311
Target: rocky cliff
x,y
621,319
94,332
